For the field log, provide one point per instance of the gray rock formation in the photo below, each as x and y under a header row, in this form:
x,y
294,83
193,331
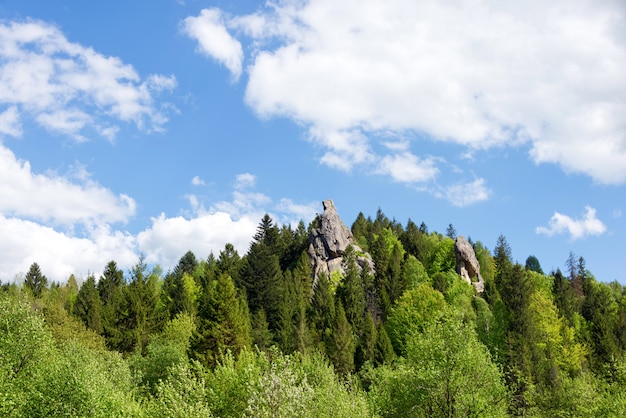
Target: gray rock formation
x,y
467,264
328,243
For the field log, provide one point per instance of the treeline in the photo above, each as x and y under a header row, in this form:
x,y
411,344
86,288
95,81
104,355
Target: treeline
x,y
250,335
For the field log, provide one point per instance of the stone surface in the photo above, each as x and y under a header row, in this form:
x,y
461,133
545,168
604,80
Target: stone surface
x,y
467,264
328,243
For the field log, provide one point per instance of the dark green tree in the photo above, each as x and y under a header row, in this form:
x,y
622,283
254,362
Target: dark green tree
x,y
35,281
112,279
229,262
342,343
451,232
88,306
224,322
532,264
261,276
351,292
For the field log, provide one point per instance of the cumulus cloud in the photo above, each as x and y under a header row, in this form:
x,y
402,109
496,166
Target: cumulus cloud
x,y
68,88
60,254
214,40
589,224
208,230
54,198
88,247
478,74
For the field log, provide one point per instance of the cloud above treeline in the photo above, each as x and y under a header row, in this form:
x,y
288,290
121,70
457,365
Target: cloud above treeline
x,y
80,228
545,75
578,228
67,221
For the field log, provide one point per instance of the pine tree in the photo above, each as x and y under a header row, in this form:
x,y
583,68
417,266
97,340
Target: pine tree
x,y
88,306
35,281
112,278
224,322
261,275
351,292
342,343
532,264
322,308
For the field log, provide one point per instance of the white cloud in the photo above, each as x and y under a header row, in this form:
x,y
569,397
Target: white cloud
x,y
225,222
10,122
465,194
68,88
87,248
197,181
60,254
54,198
296,212
214,40
244,181
479,74
589,224
408,168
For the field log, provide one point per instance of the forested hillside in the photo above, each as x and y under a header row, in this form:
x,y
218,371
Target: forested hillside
x,y
393,331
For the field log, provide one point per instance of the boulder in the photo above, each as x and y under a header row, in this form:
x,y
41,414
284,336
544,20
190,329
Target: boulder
x,y
467,264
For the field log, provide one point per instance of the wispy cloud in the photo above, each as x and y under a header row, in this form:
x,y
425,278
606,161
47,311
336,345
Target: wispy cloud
x,y
197,181
589,224
214,40
71,89
465,193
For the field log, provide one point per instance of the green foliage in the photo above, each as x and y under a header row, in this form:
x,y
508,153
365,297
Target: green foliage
x,y
35,281
415,309
163,352
182,394
443,258
447,372
88,306
224,322
39,379
422,341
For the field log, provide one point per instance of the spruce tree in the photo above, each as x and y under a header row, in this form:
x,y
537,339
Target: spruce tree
x,y
112,278
342,343
224,322
88,306
35,281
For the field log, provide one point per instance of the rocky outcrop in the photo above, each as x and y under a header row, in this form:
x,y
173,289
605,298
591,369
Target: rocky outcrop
x,y
328,243
467,264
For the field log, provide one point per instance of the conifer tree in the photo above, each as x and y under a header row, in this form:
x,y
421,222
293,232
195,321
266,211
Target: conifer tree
x,y
112,278
261,275
351,292
342,343
35,281
224,322
322,308
88,306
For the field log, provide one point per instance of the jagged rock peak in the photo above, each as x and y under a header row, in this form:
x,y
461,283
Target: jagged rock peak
x,y
328,243
467,264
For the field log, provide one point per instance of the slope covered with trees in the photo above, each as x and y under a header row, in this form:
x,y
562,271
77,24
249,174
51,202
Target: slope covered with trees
x,y
251,335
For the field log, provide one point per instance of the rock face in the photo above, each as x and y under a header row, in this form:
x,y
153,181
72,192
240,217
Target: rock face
x,y
467,264
328,243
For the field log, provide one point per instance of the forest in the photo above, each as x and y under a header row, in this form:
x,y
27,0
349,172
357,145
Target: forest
x,y
260,335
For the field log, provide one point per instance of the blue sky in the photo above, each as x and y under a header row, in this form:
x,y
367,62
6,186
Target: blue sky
x,y
159,127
